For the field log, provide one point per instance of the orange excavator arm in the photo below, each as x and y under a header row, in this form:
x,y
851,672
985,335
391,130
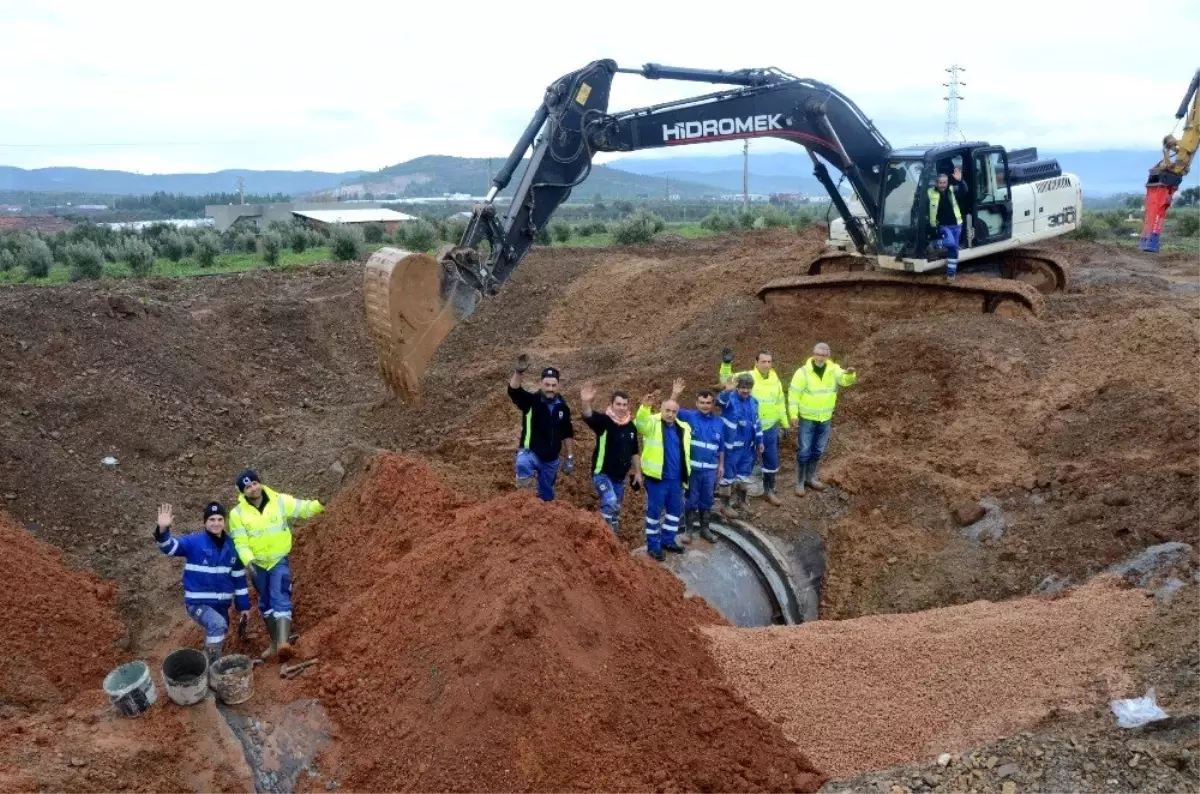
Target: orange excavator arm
x,y
1168,173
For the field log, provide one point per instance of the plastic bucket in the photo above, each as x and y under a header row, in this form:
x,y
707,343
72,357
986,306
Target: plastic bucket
x,y
232,678
185,673
130,689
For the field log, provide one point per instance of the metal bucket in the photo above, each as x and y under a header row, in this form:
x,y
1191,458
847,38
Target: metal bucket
x,y
232,678
185,673
130,689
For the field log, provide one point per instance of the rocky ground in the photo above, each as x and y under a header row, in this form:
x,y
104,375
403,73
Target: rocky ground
x,y
1075,435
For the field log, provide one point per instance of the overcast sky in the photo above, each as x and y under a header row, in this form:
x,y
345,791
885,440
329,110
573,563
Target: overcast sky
x,y
167,87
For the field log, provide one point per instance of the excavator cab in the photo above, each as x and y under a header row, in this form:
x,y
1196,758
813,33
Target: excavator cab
x,y
905,235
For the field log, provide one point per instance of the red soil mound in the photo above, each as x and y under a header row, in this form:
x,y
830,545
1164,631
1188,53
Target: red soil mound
x,y
516,646
59,624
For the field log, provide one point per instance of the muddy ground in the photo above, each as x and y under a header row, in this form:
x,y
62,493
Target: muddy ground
x,y
1078,430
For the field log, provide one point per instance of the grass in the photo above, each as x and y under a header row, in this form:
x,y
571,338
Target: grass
x,y
185,268
688,231
289,260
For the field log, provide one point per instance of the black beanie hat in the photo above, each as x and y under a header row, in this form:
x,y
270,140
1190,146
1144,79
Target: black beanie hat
x,y
245,478
213,509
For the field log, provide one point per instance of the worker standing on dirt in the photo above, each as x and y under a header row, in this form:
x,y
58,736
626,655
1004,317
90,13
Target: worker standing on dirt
x,y
946,218
616,453
259,526
666,466
812,396
772,412
545,430
743,439
708,457
213,576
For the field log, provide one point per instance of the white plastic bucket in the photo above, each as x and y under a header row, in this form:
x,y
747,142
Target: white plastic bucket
x,y
185,673
130,689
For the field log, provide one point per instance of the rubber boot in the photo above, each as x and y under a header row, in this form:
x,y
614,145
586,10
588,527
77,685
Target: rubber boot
x,y
801,471
673,546
741,504
706,531
769,489
726,507
811,480
283,634
213,651
270,651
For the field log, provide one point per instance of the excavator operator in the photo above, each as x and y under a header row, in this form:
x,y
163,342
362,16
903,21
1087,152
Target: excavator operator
x,y
946,217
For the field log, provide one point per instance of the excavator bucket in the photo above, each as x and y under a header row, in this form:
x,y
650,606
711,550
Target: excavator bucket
x,y
413,301
1158,201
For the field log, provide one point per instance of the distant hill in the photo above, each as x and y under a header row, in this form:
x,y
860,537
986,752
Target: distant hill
x,y
1102,173
434,175
124,183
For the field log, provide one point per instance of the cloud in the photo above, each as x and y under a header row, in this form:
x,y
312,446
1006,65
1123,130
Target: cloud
x,y
155,86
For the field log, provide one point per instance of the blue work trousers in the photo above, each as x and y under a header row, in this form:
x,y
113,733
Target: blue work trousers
x,y
810,444
612,495
739,462
664,506
948,237
701,484
274,588
770,457
214,623
528,465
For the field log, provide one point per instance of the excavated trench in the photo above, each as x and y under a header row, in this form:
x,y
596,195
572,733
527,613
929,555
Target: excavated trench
x,y
754,578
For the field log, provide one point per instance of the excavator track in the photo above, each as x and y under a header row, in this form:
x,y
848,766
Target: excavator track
x,y
878,291
1036,267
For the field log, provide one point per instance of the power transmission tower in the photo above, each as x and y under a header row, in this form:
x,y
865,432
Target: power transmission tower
x,y
952,98
746,176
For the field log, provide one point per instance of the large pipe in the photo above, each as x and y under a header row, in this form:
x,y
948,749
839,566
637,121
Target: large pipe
x,y
753,578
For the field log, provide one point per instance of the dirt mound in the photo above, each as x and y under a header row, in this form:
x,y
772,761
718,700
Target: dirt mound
x,y
60,627
518,646
970,673
185,382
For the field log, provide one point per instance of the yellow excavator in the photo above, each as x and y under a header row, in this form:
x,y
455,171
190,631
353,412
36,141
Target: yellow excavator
x,y
1013,200
1168,173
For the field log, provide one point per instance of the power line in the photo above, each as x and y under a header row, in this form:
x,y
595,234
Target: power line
x,y
952,98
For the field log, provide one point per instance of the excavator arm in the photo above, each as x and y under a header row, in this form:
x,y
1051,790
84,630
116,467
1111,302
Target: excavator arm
x,y
414,301
1169,173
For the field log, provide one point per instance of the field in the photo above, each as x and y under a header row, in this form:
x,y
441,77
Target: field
x,y
473,638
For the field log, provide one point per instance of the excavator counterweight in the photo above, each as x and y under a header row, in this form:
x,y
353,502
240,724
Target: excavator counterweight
x,y
890,252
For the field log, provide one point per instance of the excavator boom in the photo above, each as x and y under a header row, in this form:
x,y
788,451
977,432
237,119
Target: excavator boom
x,y
1169,172
413,300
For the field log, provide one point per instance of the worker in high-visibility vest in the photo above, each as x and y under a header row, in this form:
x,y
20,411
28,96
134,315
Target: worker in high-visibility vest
x,y
260,527
946,217
666,466
772,412
812,396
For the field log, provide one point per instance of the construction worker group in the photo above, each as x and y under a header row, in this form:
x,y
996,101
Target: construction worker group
x,y
258,542
684,458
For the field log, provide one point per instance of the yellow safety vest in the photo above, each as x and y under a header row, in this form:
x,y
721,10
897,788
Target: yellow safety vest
x,y
813,398
768,390
649,427
265,538
935,199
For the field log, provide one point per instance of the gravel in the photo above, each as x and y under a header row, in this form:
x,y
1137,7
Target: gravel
x,y
884,690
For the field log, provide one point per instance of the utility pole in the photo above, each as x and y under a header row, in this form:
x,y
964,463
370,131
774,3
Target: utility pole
x,y
746,175
952,98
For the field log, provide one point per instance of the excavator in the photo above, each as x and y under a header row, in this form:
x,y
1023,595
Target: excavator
x,y
413,300
1168,173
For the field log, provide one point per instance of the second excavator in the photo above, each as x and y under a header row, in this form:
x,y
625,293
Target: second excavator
x,y
888,246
